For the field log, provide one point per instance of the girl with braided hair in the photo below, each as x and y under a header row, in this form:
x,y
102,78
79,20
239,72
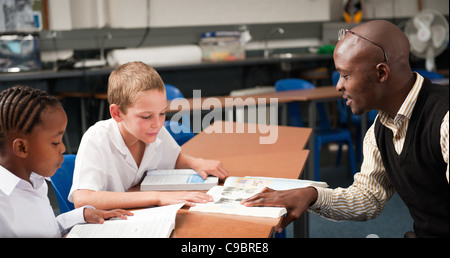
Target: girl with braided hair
x,y
32,124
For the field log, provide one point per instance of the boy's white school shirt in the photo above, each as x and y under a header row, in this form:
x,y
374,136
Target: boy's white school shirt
x,y
25,209
104,162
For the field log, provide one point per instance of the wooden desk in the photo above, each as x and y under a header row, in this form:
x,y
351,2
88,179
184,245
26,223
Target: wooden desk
x,y
325,93
213,225
242,155
319,94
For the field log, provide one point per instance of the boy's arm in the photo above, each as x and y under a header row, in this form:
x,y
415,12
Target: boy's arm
x,y
127,200
204,167
86,214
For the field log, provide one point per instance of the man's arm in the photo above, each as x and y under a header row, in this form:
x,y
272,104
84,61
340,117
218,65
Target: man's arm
x,y
363,200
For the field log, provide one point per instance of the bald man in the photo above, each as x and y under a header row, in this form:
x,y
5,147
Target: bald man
x,y
405,150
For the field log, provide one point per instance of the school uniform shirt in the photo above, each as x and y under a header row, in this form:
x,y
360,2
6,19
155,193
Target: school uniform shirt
x,y
104,162
372,188
25,209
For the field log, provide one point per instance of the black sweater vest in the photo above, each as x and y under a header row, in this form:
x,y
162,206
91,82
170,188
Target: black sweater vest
x,y
418,174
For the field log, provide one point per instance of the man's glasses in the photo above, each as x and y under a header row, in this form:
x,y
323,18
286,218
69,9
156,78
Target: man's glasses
x,y
343,32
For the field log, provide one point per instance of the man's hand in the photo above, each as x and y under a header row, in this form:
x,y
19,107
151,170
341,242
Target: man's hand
x,y
296,201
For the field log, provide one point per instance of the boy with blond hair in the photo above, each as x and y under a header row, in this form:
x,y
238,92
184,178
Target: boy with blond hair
x,y
114,154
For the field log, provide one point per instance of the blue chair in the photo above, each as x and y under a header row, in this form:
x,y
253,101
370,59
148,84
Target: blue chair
x,y
182,132
179,132
428,74
173,92
324,133
355,120
62,182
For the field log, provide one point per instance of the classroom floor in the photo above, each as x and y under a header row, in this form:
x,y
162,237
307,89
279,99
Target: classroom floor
x,y
393,222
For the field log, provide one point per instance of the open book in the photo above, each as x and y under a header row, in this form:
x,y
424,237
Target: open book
x,y
156,222
227,198
176,180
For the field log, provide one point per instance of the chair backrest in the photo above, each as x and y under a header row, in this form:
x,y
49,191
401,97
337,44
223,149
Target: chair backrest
x,y
342,108
335,77
428,74
294,111
179,132
62,182
295,118
292,84
173,92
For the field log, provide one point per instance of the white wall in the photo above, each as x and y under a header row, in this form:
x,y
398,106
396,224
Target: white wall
x,y
80,14
382,9
59,15
88,14
172,13
128,14
84,14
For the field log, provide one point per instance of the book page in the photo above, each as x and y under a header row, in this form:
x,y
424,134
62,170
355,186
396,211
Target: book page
x,y
231,193
156,222
122,230
227,200
274,183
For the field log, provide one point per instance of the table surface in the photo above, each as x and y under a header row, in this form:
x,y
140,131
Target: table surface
x,y
242,155
318,93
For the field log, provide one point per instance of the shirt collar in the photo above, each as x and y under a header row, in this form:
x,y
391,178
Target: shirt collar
x,y
118,141
9,181
407,107
117,138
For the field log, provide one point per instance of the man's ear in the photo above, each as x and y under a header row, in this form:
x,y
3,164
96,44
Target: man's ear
x,y
20,147
115,112
383,72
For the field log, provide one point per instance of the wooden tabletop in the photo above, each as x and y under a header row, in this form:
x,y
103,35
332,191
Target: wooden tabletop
x,y
323,92
206,103
242,155
213,225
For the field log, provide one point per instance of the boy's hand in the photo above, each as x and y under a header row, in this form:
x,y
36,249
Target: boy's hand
x,y
99,216
205,167
188,198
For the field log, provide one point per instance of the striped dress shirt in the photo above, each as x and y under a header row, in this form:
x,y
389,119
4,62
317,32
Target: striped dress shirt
x,y
371,189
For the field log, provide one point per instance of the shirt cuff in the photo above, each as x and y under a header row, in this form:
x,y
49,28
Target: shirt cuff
x,y
323,202
69,219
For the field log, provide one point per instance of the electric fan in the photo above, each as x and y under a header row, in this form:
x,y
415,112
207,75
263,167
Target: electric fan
x,y
427,32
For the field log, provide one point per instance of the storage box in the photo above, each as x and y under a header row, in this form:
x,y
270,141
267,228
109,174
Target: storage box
x,y
217,49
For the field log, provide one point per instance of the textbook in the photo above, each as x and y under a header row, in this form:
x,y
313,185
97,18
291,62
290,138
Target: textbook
x,y
176,180
227,198
156,222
